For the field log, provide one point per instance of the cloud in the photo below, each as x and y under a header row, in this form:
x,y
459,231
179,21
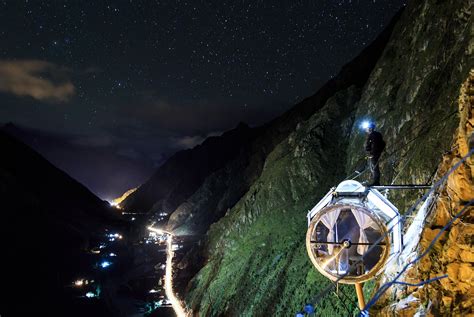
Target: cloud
x,y
190,141
37,79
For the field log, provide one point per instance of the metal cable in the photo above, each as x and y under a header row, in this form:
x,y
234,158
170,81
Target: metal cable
x,y
327,289
344,303
422,282
387,285
407,214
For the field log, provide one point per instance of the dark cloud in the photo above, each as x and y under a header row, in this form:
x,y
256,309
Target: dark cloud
x,y
37,79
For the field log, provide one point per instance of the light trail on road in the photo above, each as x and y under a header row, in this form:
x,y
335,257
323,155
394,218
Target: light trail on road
x,y
179,310
175,302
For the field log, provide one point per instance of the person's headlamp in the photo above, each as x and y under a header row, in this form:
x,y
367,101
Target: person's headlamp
x,y
366,124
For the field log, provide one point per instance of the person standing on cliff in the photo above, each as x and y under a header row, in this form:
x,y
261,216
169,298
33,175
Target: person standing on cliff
x,y
374,146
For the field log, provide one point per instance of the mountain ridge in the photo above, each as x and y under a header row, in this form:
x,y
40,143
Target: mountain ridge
x,y
49,220
255,262
266,138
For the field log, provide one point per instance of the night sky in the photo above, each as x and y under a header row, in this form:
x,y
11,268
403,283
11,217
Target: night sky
x,y
108,90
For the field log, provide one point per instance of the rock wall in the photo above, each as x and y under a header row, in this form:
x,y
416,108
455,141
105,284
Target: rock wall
x,y
453,253
413,90
256,263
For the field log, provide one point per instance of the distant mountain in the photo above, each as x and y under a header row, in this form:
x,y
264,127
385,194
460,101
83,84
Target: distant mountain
x,y
185,171
48,220
100,167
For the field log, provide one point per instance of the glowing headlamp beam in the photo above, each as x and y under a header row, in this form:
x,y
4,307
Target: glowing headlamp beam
x,y
365,124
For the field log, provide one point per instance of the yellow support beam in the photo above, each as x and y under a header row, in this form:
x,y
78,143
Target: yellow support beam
x,y
360,295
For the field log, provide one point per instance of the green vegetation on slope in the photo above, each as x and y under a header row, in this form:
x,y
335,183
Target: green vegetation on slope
x,y
258,263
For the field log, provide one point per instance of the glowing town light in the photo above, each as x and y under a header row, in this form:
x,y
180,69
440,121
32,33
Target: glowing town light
x,y
112,254
105,264
79,282
159,231
90,295
153,291
178,309
175,247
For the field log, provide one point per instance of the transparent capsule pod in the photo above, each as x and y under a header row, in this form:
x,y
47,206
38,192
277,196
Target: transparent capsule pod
x,y
339,239
352,233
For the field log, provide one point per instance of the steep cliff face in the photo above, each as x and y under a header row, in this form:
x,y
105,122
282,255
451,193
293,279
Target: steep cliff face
x,y
184,172
413,90
257,263
256,259
453,253
199,191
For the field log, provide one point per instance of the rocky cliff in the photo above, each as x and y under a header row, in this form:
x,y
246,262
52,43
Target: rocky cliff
x,y
198,186
256,261
184,172
408,81
452,254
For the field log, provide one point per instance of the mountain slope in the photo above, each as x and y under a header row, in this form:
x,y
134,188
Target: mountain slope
x,y
256,260
452,254
413,91
196,202
185,171
95,165
48,220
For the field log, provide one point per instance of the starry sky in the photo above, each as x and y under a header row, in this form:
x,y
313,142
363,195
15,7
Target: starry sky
x,y
107,90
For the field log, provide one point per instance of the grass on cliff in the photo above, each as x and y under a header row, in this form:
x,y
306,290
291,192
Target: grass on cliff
x,y
258,264
268,272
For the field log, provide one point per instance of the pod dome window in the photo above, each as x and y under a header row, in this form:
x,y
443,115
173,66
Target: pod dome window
x,y
338,240
353,232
